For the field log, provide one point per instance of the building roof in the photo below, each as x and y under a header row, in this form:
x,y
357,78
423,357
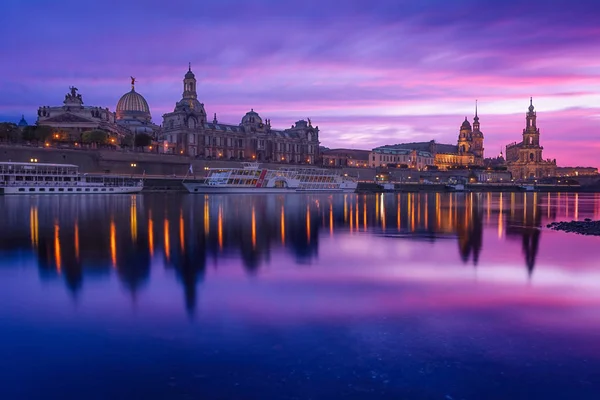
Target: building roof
x,y
351,153
132,103
22,122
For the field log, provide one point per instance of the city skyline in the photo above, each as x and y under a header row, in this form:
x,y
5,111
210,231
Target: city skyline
x,y
367,74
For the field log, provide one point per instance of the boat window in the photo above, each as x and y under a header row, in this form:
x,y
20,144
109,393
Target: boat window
x,y
69,190
87,190
32,189
21,189
104,190
79,190
61,189
95,190
51,189
112,190
42,190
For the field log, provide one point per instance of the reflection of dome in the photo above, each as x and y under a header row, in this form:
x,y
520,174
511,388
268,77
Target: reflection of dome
x,y
251,117
133,105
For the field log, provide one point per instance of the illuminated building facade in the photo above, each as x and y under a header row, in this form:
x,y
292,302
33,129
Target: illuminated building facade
x,y
467,152
524,159
187,130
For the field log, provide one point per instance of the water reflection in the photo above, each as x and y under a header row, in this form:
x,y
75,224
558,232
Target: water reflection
x,y
68,235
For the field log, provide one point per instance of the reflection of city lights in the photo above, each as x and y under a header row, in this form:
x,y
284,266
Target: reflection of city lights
x,y
113,242
253,227
181,231
150,233
206,217
57,246
282,226
500,219
220,227
382,205
77,239
133,218
308,224
33,225
167,239
331,219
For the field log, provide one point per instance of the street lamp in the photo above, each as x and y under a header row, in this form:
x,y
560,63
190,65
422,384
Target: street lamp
x,y
133,165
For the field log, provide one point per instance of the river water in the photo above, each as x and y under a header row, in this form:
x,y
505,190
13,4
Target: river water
x,y
411,296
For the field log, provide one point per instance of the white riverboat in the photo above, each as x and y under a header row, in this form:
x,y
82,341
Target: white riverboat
x,y
252,179
41,178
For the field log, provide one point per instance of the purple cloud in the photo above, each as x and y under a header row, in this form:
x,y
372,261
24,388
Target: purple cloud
x,y
368,73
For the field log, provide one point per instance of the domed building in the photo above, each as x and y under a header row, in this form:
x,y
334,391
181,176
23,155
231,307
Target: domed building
x,y
133,113
187,131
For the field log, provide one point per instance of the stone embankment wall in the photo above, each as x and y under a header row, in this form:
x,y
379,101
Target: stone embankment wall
x,y
120,162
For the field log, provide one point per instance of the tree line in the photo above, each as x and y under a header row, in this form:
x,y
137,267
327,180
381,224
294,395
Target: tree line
x,y
39,134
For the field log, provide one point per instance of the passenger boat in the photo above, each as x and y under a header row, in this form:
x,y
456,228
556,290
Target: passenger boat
x,y
41,178
252,179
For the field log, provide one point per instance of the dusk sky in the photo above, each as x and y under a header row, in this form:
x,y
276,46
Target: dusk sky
x,y
368,73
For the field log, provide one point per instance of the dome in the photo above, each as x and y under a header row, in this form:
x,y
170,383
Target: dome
x,y
22,122
251,117
465,124
133,105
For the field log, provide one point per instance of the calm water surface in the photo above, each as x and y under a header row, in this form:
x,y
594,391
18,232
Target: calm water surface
x,y
438,296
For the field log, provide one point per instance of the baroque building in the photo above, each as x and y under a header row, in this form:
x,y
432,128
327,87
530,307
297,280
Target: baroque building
x,y
187,131
467,152
73,117
524,159
133,113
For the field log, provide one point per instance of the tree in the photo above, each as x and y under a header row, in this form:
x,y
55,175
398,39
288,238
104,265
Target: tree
x,y
9,132
127,141
143,140
37,133
97,136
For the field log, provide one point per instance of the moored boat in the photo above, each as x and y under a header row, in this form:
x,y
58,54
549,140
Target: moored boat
x,y
252,179
42,178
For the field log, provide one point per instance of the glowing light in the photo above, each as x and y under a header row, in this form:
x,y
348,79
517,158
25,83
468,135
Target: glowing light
x,y
364,214
220,227
77,239
150,233
33,225
426,211
330,219
382,206
113,242
500,219
282,226
57,257
133,219
576,206
345,207
308,224
167,239
181,231
206,217
253,227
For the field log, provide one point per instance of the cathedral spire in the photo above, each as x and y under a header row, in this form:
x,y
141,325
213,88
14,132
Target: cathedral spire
x,y
476,119
189,67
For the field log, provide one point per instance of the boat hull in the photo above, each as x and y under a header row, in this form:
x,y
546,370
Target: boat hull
x,y
199,188
29,190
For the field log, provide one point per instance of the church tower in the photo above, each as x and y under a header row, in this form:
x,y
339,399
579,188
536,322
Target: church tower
x,y
465,137
531,151
477,145
189,85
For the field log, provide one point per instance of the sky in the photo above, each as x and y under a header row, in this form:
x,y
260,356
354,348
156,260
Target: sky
x,y
367,72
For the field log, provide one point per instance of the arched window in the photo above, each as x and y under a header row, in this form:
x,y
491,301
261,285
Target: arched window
x,y
531,156
191,123
530,140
